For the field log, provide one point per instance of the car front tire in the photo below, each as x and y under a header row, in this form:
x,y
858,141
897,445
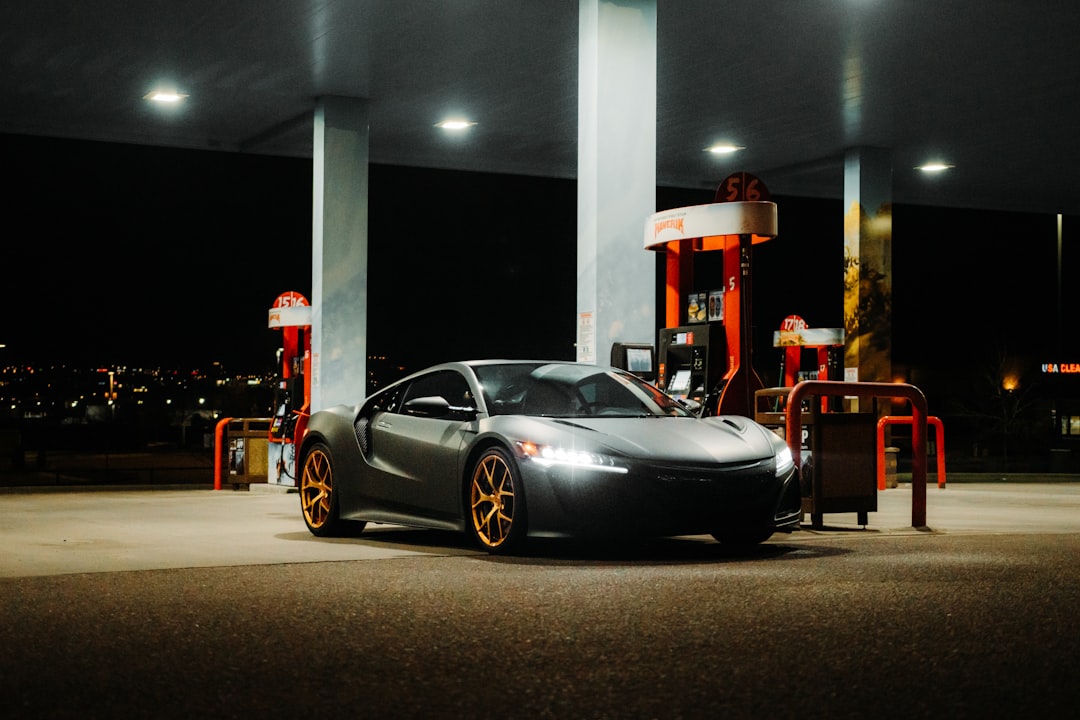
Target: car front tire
x,y
495,501
318,498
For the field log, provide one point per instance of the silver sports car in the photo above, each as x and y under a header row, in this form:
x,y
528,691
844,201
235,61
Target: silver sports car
x,y
505,449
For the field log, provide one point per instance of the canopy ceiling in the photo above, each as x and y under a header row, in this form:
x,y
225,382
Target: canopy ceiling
x,y
989,86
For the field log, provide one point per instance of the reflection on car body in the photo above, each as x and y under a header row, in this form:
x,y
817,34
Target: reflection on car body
x,y
506,449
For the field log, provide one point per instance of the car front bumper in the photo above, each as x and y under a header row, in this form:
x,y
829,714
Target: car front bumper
x,y
660,500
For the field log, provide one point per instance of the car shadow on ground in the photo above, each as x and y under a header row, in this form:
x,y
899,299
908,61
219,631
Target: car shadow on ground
x,y
578,551
656,551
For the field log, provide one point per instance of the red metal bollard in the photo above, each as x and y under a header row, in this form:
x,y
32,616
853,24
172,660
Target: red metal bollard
x,y
793,426
219,436
939,436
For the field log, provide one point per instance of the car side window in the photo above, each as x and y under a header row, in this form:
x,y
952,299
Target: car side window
x,y
447,384
385,401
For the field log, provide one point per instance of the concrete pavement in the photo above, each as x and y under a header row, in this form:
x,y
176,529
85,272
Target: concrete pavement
x,y
110,530
63,531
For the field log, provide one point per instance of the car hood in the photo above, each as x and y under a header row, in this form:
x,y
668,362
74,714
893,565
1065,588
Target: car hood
x,y
729,439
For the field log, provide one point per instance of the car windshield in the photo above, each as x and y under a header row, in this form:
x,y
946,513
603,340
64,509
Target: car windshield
x,y
571,390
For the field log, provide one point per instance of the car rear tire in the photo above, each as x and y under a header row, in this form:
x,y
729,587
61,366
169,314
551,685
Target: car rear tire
x,y
318,498
495,500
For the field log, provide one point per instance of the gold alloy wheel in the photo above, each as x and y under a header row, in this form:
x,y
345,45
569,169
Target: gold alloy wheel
x,y
317,488
491,497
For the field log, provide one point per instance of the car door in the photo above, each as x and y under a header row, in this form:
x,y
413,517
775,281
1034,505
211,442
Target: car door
x,y
422,453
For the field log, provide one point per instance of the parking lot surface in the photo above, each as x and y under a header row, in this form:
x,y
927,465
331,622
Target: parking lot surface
x,y
201,603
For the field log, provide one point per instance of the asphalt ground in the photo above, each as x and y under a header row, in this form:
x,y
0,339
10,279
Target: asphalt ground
x,y
201,603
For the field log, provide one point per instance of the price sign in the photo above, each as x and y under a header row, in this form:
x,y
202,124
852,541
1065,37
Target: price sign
x,y
290,299
792,323
741,187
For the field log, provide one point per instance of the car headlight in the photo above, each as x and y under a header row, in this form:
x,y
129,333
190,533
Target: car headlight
x,y
784,461
549,455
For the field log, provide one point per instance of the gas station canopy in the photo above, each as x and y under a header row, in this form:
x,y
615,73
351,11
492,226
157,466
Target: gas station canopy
x,y
989,88
712,223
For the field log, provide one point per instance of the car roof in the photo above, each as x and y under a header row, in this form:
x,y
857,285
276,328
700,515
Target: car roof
x,y
495,361
461,365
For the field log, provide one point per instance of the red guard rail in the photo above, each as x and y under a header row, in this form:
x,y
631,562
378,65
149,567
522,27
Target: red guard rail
x,y
939,439
793,426
219,448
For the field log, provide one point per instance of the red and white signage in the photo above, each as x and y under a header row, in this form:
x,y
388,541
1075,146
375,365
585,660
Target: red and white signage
x,y
290,309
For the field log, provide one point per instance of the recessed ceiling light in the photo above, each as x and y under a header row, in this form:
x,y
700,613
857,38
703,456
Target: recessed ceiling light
x,y
933,167
455,124
162,96
724,148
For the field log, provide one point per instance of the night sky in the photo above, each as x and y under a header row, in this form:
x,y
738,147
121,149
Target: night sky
x,y
147,256
121,254
162,257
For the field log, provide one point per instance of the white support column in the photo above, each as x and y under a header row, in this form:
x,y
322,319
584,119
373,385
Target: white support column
x,y
616,174
339,252
868,265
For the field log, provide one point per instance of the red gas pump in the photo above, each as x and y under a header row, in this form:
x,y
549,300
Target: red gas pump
x,y
794,336
291,313
741,217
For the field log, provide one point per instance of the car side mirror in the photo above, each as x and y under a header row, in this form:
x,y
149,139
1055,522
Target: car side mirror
x,y
436,406
690,404
433,406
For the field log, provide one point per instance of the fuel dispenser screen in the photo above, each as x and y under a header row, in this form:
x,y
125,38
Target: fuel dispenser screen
x,y
680,383
639,359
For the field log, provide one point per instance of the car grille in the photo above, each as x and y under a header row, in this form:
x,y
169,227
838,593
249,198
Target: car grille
x,y
728,481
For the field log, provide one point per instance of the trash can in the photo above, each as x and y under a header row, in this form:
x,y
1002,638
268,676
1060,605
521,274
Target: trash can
x,y
844,477
247,441
891,455
770,411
